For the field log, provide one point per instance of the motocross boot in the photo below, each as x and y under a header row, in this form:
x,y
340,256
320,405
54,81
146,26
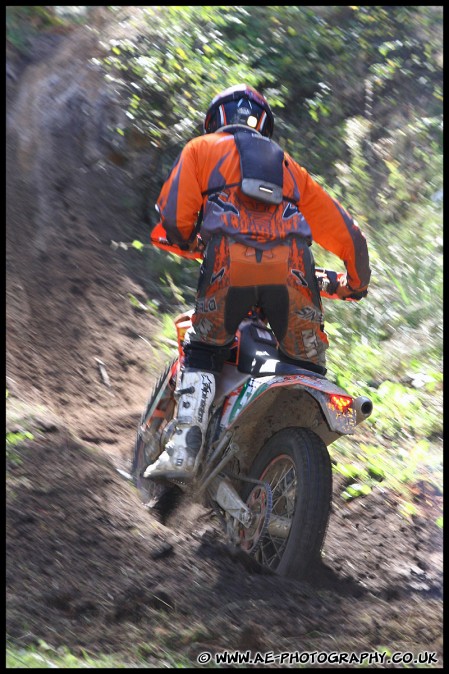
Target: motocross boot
x,y
178,460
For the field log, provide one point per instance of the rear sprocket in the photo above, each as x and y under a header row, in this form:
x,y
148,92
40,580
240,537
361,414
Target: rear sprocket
x,y
260,502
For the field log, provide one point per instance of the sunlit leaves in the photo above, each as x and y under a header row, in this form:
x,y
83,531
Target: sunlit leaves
x,y
354,490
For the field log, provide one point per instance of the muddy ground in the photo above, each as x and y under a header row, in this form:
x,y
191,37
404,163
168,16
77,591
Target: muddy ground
x,y
88,566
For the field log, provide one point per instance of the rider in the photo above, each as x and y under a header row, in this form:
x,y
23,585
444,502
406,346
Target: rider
x,y
242,193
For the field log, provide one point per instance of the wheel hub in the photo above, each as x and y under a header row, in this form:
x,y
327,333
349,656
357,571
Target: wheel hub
x,y
260,502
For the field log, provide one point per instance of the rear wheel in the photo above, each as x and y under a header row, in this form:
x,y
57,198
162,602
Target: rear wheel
x,y
296,465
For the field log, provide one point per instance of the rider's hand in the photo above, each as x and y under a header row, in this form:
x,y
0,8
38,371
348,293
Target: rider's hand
x,y
345,292
194,246
183,245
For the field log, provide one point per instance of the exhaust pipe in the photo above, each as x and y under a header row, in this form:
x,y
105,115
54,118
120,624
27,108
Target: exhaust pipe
x,y
363,407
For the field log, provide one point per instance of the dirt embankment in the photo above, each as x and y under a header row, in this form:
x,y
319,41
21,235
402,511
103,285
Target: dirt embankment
x,y
87,566
73,186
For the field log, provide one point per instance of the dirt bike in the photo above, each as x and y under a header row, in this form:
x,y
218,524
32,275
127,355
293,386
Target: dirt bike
x,y
264,466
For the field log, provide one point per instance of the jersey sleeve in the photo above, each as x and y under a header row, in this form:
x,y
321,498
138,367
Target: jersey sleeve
x,y
333,228
180,199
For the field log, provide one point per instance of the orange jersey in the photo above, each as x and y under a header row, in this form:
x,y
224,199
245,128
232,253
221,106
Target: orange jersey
x,y
207,175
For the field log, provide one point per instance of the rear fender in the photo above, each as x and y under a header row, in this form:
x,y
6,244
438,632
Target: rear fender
x,y
265,405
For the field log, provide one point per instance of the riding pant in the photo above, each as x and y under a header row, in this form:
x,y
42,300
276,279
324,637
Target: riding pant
x,y
281,280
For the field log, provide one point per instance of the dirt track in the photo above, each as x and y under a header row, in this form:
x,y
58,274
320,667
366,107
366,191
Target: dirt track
x,y
87,565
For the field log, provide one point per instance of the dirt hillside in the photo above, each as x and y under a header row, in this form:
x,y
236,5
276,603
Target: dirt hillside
x,y
87,566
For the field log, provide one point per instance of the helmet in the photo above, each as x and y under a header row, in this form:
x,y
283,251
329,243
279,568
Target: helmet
x,y
240,104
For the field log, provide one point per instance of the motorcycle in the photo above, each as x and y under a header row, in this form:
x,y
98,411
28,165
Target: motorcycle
x,y
264,466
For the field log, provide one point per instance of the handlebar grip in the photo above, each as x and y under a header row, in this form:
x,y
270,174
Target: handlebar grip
x,y
357,295
328,281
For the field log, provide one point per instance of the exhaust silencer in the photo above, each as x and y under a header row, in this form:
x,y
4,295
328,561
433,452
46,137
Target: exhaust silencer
x,y
363,407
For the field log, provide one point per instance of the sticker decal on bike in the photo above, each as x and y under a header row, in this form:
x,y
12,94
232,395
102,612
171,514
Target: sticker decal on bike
x,y
249,392
229,406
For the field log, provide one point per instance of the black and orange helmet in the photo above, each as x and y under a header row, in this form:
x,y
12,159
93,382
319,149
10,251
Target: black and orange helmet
x,y
240,104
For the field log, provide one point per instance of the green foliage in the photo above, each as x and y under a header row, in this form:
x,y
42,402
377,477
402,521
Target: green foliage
x,y
25,22
354,490
176,279
408,509
44,656
401,411
391,465
169,330
138,244
168,337
319,67
13,440
174,67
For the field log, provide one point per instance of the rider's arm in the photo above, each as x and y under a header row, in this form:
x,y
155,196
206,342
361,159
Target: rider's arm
x,y
180,199
333,228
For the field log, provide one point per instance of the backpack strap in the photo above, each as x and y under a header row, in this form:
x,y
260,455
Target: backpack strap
x,y
220,188
261,165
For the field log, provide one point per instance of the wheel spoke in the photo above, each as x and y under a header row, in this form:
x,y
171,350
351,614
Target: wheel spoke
x,y
277,550
281,476
294,465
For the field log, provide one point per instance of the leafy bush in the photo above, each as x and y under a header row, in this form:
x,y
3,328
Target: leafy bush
x,y
23,23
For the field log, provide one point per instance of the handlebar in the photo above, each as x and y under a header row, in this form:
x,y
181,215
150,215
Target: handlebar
x,y
329,282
